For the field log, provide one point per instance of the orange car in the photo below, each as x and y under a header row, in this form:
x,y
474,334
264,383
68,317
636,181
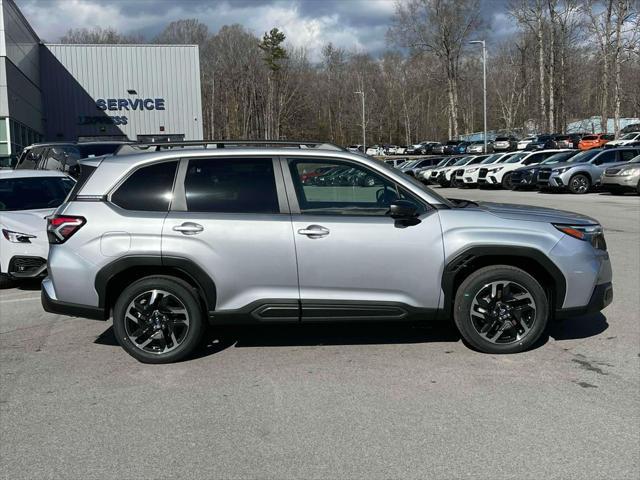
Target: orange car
x,y
594,141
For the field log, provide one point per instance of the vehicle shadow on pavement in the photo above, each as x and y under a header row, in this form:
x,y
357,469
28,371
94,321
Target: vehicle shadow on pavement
x,y
220,338
575,328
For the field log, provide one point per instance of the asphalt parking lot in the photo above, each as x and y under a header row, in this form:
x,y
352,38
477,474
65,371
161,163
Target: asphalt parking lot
x,y
385,401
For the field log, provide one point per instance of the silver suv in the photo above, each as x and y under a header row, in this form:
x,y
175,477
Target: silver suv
x,y
169,241
584,170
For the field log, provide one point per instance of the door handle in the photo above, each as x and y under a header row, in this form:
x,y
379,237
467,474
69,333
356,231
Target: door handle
x,y
188,228
314,231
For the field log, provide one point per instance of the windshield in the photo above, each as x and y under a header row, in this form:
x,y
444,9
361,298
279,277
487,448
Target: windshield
x,y
475,161
630,136
491,158
583,156
442,162
635,159
517,157
558,158
409,163
33,193
459,161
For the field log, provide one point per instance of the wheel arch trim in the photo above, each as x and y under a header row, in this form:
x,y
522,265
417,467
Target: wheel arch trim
x,y
187,267
466,257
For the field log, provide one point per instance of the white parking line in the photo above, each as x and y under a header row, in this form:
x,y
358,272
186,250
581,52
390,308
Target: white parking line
x,y
23,299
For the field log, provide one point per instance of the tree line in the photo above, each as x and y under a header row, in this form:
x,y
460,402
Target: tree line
x,y
563,60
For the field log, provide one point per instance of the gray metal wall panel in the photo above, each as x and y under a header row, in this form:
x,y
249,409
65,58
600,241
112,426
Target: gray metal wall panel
x,y
74,76
20,44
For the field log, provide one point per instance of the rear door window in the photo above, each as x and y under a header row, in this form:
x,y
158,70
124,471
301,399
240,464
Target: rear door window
x,y
606,157
147,189
231,185
626,155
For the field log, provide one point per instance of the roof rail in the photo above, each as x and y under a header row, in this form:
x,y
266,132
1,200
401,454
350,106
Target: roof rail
x,y
217,144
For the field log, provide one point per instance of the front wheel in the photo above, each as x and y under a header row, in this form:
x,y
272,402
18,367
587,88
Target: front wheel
x,y
579,184
501,309
158,320
506,181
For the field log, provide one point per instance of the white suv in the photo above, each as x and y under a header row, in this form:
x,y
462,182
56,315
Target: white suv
x,y
500,175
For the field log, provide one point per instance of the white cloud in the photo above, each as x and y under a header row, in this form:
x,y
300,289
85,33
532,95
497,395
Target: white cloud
x,y
350,24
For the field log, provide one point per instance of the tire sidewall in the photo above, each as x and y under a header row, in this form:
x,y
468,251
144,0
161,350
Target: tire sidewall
x,y
470,287
571,184
183,292
506,181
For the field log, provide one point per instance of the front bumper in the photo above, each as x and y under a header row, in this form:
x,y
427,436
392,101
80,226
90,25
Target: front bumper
x,y
601,297
619,182
554,181
528,179
51,304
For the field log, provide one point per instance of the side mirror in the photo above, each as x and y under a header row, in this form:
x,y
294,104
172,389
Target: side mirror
x,y
402,210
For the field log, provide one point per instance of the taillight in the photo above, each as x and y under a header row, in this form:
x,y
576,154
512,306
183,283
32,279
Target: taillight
x,y
61,227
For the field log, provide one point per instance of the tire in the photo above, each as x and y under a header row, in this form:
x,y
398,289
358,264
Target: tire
x,y
6,281
506,181
172,295
501,334
579,184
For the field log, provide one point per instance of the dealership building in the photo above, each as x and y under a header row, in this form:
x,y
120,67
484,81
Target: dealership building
x,y
64,92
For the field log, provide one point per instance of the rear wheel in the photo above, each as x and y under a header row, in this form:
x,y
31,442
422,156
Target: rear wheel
x,y
579,184
158,320
501,309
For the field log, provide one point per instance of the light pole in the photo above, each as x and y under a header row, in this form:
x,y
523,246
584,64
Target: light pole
x,y
484,87
364,135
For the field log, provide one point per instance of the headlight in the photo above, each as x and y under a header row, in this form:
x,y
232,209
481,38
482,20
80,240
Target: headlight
x,y
630,171
561,170
497,169
471,170
17,237
594,234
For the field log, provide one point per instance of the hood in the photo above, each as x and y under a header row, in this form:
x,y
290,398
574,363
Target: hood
x,y
28,221
529,167
535,214
562,165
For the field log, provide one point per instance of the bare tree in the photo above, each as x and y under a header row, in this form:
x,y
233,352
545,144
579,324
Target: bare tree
x,y
99,35
443,28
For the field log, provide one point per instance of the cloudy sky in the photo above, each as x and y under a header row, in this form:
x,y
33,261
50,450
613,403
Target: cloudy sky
x,y
352,24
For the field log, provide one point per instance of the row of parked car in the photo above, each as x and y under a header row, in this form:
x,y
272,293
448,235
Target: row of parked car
x,y
616,170
580,141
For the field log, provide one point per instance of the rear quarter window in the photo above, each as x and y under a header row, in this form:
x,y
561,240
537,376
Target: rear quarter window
x,y
147,189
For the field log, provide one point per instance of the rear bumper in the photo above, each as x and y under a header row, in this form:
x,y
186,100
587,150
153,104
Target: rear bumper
x,y
601,297
52,305
22,266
